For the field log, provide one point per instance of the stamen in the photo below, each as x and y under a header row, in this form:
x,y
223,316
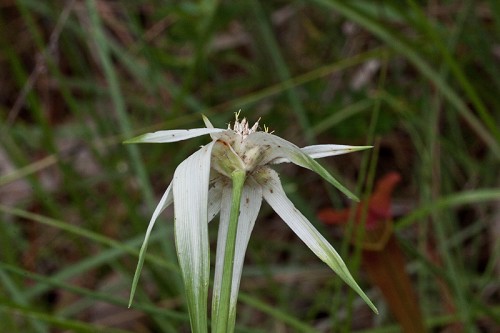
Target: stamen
x,y
266,129
242,128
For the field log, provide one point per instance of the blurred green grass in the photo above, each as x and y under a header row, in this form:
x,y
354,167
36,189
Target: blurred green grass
x,y
419,79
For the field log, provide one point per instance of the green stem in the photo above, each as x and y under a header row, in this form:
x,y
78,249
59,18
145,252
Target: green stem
x,y
222,321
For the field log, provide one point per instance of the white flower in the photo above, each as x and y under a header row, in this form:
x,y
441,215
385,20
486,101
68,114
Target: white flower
x,y
202,187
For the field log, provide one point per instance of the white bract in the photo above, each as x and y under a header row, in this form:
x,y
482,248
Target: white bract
x,y
202,188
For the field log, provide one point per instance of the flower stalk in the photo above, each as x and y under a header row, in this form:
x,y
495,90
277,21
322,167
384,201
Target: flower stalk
x,y
223,316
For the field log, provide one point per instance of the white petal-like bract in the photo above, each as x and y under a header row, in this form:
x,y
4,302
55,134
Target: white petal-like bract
x,y
214,200
165,201
190,185
173,135
281,148
275,195
320,151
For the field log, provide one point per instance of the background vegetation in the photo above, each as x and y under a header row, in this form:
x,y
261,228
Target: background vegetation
x,y
420,80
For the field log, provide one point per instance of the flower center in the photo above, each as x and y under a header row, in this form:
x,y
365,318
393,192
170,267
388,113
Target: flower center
x,y
242,127
237,152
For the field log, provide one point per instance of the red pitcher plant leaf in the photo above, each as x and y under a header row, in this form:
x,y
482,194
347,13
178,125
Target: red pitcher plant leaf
x,y
382,257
